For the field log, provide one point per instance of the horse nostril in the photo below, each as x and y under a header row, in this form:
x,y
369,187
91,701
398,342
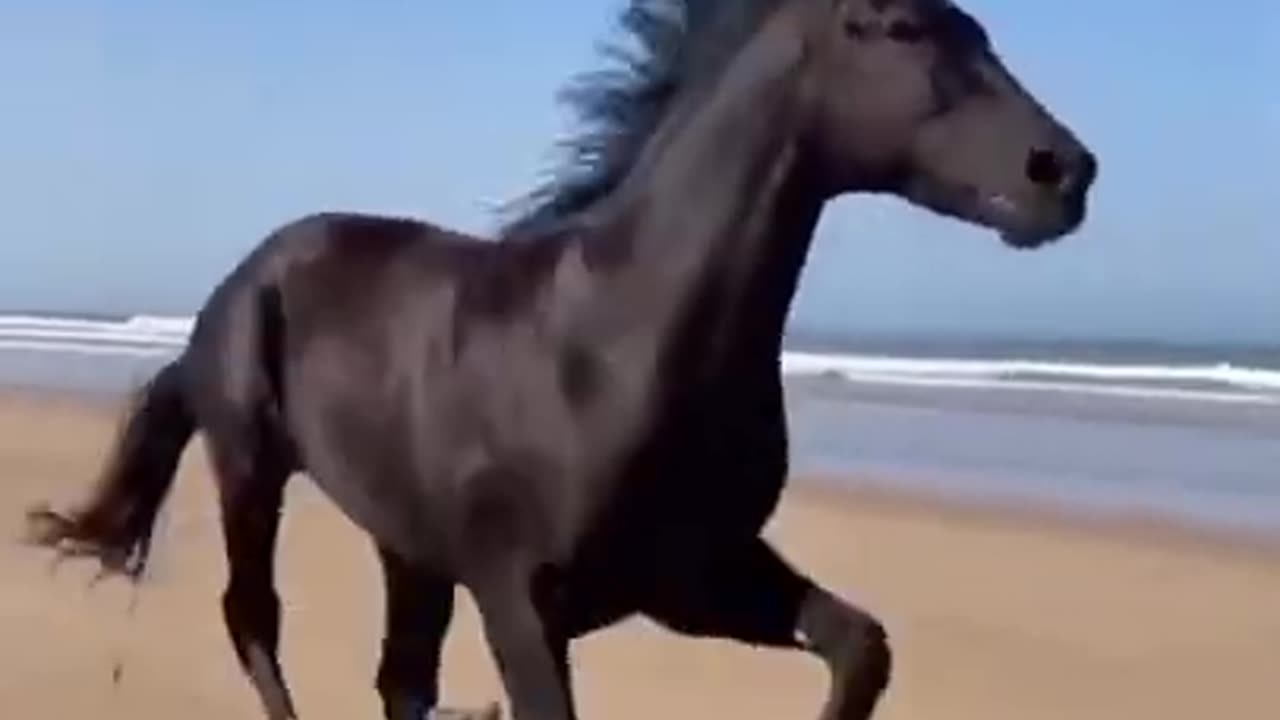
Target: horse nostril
x,y
1045,169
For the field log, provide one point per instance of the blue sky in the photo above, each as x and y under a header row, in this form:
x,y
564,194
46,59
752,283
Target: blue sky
x,y
146,145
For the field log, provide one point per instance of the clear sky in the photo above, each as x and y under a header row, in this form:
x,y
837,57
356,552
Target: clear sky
x,y
146,145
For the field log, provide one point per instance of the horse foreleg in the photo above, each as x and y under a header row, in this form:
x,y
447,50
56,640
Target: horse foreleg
x,y
748,593
529,642
855,648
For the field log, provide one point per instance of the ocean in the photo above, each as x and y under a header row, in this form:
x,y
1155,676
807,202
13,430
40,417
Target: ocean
x,y
1182,432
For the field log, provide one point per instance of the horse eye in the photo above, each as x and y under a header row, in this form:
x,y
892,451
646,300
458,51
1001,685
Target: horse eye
x,y
906,32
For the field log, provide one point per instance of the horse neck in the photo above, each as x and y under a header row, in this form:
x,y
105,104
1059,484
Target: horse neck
x,y
717,218
765,297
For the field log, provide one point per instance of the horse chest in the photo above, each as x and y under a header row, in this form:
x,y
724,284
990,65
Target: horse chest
x,y
712,465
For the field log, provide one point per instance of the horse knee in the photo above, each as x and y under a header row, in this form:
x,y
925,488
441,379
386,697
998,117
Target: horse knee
x,y
872,654
854,644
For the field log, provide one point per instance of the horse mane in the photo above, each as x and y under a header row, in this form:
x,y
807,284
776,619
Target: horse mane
x,y
678,43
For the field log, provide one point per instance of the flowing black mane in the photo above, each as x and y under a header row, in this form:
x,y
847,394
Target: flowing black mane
x,y
678,42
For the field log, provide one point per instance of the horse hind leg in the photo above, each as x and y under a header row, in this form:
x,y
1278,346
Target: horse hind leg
x,y
251,486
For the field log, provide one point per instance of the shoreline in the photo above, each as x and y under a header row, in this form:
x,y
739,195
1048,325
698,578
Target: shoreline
x,y
868,491
1028,515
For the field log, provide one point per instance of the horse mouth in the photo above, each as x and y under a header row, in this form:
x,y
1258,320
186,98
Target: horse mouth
x,y
1006,215
1024,229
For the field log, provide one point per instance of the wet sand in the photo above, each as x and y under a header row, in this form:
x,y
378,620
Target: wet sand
x,y
994,613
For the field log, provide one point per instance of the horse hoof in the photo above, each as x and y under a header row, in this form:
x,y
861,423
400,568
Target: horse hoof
x,y
492,712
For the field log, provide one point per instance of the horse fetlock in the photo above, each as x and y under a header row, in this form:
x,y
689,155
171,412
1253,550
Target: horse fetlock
x,y
870,654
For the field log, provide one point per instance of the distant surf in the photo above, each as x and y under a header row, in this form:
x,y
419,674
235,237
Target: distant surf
x,y
153,336
1221,382
143,335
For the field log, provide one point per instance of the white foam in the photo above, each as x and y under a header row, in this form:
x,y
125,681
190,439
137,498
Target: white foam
x,y
1143,393
77,334
85,348
856,367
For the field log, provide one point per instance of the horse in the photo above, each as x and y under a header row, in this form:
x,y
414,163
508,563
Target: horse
x,y
582,420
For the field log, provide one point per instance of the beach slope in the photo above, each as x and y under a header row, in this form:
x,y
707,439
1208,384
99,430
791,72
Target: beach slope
x,y
993,614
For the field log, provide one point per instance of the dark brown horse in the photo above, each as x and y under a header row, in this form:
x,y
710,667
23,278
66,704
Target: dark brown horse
x,y
585,420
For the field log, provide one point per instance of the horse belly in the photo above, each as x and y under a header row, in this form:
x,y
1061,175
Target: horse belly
x,y
386,502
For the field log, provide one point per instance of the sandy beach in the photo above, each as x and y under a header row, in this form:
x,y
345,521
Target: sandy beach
x,y
993,613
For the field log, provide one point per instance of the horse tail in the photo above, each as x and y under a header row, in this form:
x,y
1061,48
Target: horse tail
x,y
115,526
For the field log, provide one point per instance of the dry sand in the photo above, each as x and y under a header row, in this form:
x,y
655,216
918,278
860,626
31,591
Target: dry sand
x,y
993,614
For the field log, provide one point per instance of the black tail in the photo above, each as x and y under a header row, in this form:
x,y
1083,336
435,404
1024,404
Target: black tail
x,y
116,524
